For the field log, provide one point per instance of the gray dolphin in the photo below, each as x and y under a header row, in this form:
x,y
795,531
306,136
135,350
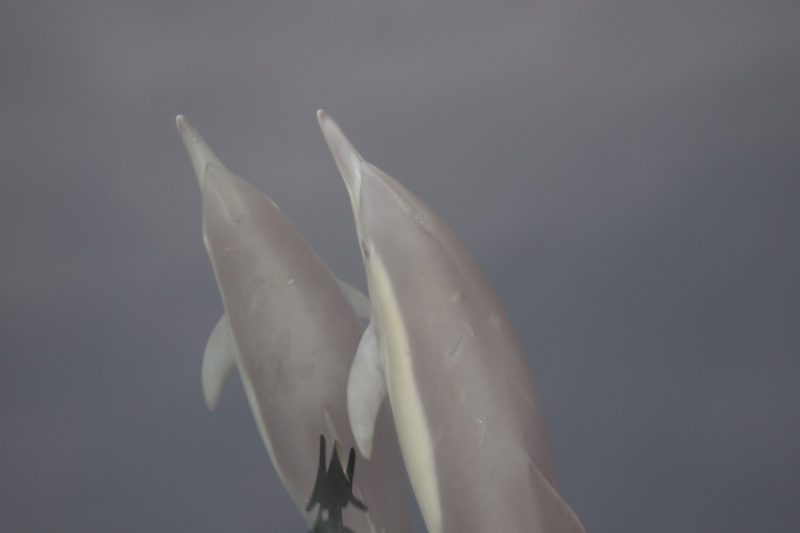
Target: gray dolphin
x,y
467,413
292,329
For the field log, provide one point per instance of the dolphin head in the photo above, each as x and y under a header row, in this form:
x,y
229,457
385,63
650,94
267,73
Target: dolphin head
x,y
222,190
385,212
199,152
347,158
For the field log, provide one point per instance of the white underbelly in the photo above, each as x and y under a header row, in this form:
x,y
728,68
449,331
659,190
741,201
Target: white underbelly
x,y
409,416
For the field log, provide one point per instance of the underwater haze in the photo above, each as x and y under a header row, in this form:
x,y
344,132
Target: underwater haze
x,y
627,174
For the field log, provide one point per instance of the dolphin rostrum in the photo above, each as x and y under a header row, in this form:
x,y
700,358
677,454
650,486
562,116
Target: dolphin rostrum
x,y
292,330
466,411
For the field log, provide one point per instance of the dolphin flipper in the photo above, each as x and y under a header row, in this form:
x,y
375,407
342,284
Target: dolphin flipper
x,y
358,301
366,390
219,358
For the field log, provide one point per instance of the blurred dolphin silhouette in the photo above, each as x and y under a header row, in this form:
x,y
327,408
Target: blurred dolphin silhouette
x,y
465,408
292,330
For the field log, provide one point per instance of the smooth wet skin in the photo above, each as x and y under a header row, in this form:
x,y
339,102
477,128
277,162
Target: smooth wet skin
x,y
465,407
292,330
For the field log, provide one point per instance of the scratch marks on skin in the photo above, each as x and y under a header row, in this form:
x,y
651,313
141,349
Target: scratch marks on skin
x,y
455,345
420,218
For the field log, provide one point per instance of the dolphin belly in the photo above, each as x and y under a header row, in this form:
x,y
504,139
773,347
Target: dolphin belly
x,y
416,443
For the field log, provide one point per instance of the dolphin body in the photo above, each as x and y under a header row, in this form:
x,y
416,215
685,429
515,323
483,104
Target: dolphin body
x,y
466,411
292,330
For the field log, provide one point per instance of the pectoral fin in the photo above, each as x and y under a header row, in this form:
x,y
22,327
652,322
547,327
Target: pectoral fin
x,y
219,358
358,301
366,390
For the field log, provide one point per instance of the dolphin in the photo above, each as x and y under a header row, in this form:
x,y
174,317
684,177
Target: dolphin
x,y
292,329
467,413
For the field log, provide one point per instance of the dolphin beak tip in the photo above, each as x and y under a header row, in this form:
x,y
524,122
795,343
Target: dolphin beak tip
x,y
344,154
330,130
184,128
